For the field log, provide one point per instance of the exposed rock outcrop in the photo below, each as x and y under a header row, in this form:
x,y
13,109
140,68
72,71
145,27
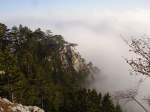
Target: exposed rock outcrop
x,y
7,106
70,57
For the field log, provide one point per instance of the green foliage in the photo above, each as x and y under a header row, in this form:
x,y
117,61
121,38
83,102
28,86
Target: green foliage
x,y
83,100
37,68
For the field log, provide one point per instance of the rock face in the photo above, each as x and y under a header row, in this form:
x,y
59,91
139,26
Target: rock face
x,y
70,57
7,106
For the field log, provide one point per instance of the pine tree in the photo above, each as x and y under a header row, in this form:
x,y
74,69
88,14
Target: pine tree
x,y
118,108
10,77
107,104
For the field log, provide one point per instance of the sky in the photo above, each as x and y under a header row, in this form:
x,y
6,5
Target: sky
x,y
73,4
96,26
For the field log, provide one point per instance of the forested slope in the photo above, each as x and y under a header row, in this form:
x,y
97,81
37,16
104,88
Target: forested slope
x,y
42,69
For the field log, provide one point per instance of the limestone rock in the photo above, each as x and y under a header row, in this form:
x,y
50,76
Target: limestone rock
x,y
7,106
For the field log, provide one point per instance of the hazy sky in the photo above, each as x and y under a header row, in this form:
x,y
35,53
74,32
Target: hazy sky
x,y
96,25
13,5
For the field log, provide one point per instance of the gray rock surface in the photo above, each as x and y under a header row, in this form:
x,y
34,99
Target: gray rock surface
x,y
7,106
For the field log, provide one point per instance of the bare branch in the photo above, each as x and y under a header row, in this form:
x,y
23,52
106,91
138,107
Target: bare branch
x,y
129,95
141,49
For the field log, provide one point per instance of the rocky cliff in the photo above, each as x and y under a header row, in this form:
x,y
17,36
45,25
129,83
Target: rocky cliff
x,y
7,106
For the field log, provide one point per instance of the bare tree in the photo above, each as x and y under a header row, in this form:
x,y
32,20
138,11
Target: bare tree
x,y
140,61
129,95
140,48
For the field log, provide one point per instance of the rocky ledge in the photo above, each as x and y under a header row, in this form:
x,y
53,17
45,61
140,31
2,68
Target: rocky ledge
x,y
7,106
